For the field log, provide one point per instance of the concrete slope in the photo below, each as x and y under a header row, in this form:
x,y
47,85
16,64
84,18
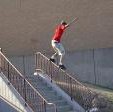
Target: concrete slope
x,y
50,95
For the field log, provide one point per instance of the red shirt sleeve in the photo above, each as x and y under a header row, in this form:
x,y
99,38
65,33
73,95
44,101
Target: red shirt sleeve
x,y
63,27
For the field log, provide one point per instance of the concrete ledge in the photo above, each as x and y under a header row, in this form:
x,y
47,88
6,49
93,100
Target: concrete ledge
x,y
8,92
6,106
59,91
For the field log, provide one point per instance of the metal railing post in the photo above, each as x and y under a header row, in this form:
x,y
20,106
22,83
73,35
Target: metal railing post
x,y
36,61
71,88
51,72
8,72
44,106
0,60
1,49
55,108
24,92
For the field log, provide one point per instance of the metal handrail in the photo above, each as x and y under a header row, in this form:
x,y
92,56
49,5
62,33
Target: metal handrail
x,y
58,67
76,90
4,60
10,103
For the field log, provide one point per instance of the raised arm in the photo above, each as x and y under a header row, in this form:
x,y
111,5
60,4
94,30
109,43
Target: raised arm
x,y
73,21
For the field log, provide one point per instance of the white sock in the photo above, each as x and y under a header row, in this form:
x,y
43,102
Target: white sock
x,y
60,62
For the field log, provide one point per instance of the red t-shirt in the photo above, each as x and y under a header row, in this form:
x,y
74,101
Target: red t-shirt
x,y
58,32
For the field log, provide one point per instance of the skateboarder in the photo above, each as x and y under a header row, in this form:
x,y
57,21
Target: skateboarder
x,y
56,42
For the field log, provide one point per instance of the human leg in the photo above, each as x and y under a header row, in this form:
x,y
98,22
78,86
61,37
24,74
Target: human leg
x,y
61,65
61,60
59,49
54,45
61,52
53,57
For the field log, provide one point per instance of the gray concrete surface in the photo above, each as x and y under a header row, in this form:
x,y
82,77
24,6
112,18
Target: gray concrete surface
x,y
25,64
5,107
26,26
93,66
13,99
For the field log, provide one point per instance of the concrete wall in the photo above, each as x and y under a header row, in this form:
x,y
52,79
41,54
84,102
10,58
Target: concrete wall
x,y
29,25
5,107
25,64
93,66
12,97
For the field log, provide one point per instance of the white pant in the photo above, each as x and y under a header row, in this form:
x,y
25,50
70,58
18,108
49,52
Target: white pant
x,y
58,47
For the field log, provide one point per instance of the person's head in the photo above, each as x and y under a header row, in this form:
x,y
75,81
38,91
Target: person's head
x,y
63,22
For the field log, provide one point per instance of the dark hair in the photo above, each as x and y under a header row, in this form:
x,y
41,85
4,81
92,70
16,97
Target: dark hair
x,y
63,23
